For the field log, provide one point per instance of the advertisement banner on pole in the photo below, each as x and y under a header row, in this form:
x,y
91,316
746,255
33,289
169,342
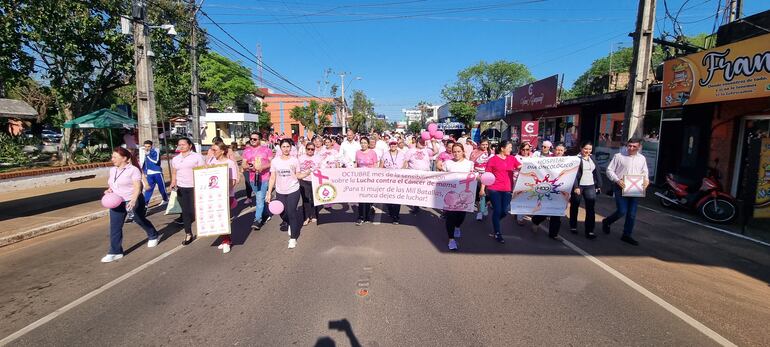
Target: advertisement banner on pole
x,y
529,131
544,185
740,70
442,190
212,205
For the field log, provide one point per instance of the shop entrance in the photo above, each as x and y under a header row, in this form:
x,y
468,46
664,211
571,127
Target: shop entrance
x,y
752,166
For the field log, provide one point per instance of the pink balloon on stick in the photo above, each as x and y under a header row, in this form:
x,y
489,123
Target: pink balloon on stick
x,y
438,135
425,135
432,128
111,200
487,179
275,207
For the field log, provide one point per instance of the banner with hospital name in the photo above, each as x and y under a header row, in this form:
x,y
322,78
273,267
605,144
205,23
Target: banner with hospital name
x,y
212,195
740,70
543,186
441,190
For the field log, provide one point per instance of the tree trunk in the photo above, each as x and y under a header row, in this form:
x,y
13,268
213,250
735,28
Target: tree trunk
x,y
66,146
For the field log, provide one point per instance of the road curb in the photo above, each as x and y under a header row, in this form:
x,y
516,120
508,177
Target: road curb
x,y
47,229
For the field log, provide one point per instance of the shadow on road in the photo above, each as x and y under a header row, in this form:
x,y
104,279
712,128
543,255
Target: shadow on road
x,y
340,325
49,202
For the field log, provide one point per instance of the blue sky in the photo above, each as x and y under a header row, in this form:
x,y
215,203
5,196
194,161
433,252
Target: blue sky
x,y
406,50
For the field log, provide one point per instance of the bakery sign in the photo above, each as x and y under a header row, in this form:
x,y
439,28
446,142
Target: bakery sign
x,y
736,71
537,95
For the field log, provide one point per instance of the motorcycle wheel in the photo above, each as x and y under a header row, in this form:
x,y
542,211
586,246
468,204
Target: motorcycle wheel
x,y
718,210
665,203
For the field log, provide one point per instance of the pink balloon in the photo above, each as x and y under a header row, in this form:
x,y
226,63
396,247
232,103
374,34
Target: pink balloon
x,y
432,128
487,179
438,135
425,135
111,200
275,207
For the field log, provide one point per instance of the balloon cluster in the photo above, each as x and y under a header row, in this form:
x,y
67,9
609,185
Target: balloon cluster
x,y
432,132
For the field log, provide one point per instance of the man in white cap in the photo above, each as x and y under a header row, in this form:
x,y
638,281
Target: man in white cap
x,y
545,150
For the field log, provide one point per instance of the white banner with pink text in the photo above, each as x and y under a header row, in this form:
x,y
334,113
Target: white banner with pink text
x,y
441,190
544,185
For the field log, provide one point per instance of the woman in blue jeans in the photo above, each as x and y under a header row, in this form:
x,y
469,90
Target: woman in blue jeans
x,y
502,165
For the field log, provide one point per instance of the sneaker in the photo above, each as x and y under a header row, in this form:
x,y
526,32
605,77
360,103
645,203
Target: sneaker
x,y
458,233
590,235
152,243
479,216
573,230
499,238
554,237
535,227
395,222
130,217
630,240
221,245
226,248
314,220
268,219
284,226
452,245
359,222
111,257
292,243
256,225
179,221
605,227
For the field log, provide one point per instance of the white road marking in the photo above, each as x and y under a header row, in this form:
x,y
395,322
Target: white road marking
x,y
10,338
708,226
656,299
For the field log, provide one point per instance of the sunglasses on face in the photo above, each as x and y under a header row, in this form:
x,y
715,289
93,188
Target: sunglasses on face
x,y
310,148
253,139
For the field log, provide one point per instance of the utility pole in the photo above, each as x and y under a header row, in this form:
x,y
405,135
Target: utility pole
x,y
636,96
736,8
194,93
259,65
145,89
344,106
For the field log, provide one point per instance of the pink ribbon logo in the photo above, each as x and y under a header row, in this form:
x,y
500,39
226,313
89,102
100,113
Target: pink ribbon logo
x,y
467,181
320,176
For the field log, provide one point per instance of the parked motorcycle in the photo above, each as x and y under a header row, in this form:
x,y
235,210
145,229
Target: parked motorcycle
x,y
710,200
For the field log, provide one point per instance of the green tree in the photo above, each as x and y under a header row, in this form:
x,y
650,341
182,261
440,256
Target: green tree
x,y
226,82
487,81
15,64
464,112
314,117
264,122
414,127
362,111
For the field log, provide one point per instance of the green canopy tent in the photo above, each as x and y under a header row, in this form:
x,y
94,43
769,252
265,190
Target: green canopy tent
x,y
102,119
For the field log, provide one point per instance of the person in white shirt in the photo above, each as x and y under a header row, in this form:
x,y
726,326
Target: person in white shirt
x,y
349,147
545,150
631,163
454,219
380,146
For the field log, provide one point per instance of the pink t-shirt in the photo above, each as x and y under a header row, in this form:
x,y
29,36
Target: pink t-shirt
x,y
184,168
503,170
480,159
419,159
366,159
393,161
285,169
121,181
257,156
308,163
232,170
330,158
444,156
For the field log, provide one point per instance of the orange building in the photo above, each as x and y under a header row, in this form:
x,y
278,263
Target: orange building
x,y
280,106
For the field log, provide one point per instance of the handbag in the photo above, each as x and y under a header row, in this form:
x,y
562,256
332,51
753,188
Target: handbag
x,y
483,205
173,206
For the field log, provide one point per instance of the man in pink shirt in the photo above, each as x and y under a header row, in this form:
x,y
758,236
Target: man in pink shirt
x,y
256,160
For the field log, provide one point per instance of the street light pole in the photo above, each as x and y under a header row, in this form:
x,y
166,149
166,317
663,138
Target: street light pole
x,y
636,98
344,106
194,93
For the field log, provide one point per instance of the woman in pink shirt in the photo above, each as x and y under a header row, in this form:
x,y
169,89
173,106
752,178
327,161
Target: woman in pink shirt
x,y
182,180
309,162
393,159
284,177
502,165
125,180
220,151
445,155
365,158
418,158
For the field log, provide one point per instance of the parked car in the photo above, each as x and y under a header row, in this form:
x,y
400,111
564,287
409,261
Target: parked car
x,y
51,136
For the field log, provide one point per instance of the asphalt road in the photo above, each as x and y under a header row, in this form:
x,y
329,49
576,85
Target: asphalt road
x,y
387,285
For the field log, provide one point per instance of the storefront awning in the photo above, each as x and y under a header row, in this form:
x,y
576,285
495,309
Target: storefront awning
x,y
230,117
451,126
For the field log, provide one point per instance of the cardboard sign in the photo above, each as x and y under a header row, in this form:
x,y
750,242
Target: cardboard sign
x,y
212,195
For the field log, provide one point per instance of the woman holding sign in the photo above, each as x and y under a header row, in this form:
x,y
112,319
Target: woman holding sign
x,y
219,153
366,158
393,159
182,179
284,177
126,181
554,222
454,219
588,181
502,165
418,158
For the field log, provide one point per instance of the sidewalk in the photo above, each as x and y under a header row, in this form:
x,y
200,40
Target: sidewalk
x,y
37,211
